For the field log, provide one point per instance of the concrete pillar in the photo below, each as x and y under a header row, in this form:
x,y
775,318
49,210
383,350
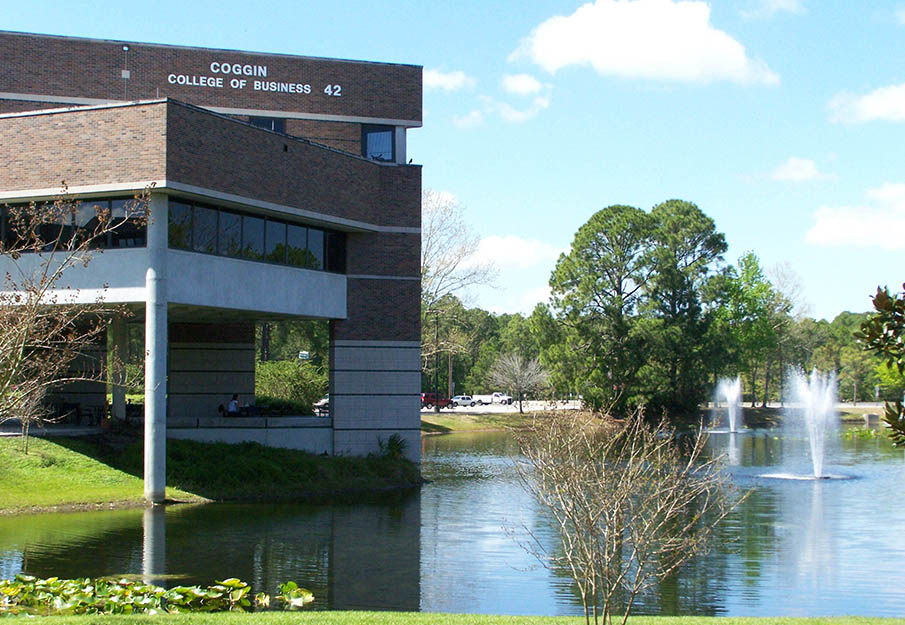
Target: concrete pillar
x,y
399,140
119,334
156,352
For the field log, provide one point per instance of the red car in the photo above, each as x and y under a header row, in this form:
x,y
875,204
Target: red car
x,y
429,399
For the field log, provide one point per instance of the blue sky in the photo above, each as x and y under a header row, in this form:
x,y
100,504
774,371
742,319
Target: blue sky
x,y
784,120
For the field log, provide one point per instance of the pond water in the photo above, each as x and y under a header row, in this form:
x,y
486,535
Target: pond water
x,y
793,548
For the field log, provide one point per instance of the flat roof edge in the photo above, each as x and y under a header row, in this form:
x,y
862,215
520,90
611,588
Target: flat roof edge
x,y
178,47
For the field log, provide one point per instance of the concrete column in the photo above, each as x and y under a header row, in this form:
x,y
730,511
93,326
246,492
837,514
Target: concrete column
x,y
119,334
156,352
399,139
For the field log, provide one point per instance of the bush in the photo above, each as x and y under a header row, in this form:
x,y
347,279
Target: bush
x,y
283,407
295,381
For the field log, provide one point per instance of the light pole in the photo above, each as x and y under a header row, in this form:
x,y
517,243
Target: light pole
x,y
437,361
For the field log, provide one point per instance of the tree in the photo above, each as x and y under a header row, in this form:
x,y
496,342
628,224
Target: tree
x,y
448,266
46,338
447,250
686,245
518,373
747,311
596,290
884,333
630,504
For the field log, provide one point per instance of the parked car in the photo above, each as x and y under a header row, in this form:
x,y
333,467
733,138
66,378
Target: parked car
x,y
462,400
493,398
429,400
322,406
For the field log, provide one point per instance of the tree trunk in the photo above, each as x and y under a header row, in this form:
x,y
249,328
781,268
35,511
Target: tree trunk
x,y
754,386
449,384
265,342
766,383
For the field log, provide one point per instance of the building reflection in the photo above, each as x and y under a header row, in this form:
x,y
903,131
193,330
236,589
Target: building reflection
x,y
350,557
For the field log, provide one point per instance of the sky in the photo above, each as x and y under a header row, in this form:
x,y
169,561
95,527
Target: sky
x,y
783,120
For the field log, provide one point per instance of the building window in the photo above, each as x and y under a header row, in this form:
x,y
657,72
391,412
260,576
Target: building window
x,y
212,230
252,237
297,245
275,242
277,124
377,142
204,229
336,252
229,242
75,224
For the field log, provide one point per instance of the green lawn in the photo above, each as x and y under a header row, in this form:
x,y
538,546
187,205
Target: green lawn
x,y
448,421
415,618
54,474
100,470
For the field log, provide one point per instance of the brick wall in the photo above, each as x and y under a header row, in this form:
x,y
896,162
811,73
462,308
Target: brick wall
x,y
92,68
381,310
209,151
94,146
340,135
383,254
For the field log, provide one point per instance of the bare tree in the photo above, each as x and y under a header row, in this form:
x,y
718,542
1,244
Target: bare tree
x,y
47,339
448,265
520,374
448,248
629,502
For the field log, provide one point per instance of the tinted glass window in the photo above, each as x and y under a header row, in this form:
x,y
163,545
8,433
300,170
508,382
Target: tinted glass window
x,y
180,225
229,242
125,232
204,230
270,123
276,241
336,252
315,249
87,219
377,142
252,237
297,245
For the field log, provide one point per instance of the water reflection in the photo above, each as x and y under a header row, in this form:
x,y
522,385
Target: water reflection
x,y
793,548
351,557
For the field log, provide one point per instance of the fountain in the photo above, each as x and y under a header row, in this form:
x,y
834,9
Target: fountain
x,y
811,415
730,391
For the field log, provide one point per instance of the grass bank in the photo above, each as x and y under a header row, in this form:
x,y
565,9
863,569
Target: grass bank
x,y
106,470
417,618
444,422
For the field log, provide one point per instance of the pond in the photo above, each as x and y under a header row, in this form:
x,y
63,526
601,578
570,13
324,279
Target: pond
x,y
802,548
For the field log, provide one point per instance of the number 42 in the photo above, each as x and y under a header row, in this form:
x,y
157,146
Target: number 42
x,y
333,90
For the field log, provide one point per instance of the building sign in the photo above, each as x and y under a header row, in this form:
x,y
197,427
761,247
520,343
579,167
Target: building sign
x,y
249,77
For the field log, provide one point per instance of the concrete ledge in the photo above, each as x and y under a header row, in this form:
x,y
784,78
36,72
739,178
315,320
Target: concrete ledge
x,y
248,423
311,439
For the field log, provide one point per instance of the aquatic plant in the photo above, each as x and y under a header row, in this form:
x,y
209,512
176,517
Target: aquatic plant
x,y
26,594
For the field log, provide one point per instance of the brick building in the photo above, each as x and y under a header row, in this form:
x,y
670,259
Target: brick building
x,y
280,190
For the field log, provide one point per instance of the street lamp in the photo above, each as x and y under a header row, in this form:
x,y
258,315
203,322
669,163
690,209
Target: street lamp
x,y
436,361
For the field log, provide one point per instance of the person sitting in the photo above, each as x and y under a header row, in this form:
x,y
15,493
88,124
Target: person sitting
x,y
232,408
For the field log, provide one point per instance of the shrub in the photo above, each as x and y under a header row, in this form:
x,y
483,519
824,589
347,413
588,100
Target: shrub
x,y
290,380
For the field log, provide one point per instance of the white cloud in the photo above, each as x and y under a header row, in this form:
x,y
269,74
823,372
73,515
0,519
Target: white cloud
x,y
521,84
900,16
796,169
449,81
885,103
768,8
503,110
518,115
879,223
512,252
469,120
653,39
